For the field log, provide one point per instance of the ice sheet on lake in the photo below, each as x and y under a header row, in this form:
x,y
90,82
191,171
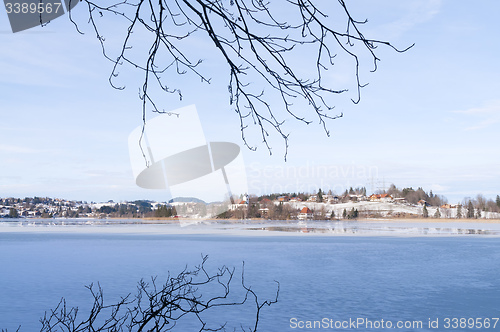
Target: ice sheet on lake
x,y
258,227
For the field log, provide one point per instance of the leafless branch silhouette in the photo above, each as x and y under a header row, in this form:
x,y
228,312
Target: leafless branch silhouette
x,y
163,307
259,42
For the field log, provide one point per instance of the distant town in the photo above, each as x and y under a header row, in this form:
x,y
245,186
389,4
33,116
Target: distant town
x,y
352,204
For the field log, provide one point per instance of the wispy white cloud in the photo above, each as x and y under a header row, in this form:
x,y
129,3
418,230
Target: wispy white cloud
x,y
439,188
6,148
483,116
414,12
28,59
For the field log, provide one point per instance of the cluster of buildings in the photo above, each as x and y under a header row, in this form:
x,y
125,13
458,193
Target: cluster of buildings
x,y
334,199
304,207
327,206
44,207
35,207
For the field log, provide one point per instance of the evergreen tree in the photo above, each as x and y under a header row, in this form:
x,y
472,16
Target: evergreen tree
x,y
478,213
332,216
498,201
159,211
164,212
425,213
353,214
437,214
46,214
320,196
13,213
459,211
123,210
470,210
344,214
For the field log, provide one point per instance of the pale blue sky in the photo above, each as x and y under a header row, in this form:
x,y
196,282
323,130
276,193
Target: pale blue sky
x,y
429,117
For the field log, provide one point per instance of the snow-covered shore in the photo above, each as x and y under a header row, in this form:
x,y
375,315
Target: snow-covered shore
x,y
387,209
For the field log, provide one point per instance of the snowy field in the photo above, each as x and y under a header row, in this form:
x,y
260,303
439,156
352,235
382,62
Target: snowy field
x,y
386,209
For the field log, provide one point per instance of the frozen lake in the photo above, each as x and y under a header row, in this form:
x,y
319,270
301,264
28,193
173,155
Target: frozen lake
x,y
380,227
391,271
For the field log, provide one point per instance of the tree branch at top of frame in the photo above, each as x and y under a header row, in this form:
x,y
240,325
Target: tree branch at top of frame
x,y
255,42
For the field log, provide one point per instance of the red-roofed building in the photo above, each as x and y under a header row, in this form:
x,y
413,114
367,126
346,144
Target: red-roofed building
x,y
423,203
305,213
283,199
238,204
381,197
265,202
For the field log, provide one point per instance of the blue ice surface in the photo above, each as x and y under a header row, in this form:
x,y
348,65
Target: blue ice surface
x,y
332,277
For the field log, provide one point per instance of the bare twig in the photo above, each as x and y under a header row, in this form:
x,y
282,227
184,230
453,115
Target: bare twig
x,y
256,46
158,307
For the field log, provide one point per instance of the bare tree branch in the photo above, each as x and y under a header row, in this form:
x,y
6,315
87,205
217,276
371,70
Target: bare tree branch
x,y
258,47
160,307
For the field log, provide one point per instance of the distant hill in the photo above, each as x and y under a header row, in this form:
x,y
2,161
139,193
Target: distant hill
x,y
186,200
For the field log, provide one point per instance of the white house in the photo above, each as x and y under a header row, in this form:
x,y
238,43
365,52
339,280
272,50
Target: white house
x,y
305,214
